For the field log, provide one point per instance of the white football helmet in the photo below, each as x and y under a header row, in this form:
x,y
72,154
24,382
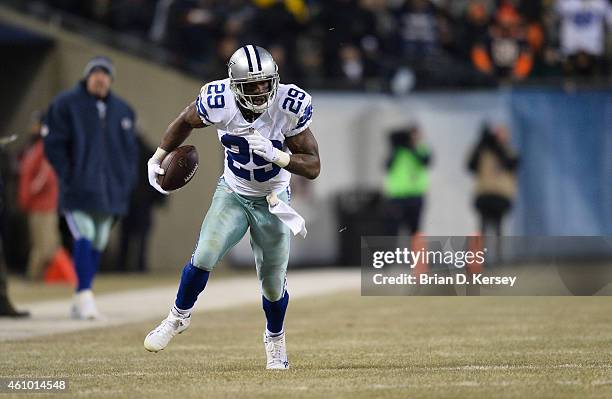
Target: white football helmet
x,y
250,64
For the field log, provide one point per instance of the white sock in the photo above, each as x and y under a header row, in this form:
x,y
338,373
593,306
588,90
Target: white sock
x,y
180,312
272,335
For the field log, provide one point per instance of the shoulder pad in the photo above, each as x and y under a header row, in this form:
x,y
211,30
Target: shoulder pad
x,y
296,104
214,101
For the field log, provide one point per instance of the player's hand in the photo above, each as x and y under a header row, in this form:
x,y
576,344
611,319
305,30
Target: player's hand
x,y
262,146
154,169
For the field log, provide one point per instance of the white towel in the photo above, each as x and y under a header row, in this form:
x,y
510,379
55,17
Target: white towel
x,y
287,215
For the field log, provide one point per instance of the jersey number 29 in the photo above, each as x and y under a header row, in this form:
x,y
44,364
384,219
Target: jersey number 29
x,y
215,97
243,157
294,101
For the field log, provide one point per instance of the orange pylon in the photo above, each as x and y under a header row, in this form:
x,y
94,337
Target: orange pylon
x,y
419,244
475,243
61,269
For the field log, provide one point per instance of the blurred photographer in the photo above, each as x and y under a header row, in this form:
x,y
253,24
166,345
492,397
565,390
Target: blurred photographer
x,y
38,193
407,180
494,163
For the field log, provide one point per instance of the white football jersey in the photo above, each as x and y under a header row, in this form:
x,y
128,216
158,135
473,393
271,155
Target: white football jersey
x,y
583,25
245,172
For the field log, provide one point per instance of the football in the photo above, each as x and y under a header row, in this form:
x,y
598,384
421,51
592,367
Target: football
x,y
179,166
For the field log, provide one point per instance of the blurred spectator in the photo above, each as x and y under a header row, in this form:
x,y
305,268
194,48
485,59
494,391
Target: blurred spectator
x,y
475,25
342,23
14,227
236,15
276,25
459,8
277,21
134,17
159,24
217,67
286,68
192,30
351,64
310,61
136,225
129,16
378,46
407,180
419,29
504,52
494,164
540,37
583,35
6,307
38,191
91,145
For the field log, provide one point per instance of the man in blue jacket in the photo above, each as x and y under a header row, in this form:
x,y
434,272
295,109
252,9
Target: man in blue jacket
x,y
90,142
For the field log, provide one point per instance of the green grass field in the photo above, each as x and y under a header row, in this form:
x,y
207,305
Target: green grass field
x,y
347,346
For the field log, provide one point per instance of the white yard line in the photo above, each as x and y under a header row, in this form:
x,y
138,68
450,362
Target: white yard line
x,y
52,317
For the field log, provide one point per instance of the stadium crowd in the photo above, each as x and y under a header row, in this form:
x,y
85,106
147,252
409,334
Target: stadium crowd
x,y
359,44
372,44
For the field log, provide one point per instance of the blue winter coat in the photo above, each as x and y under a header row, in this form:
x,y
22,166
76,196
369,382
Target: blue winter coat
x,y
95,159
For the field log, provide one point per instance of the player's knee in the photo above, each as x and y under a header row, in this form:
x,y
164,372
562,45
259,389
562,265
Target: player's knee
x,y
272,294
99,243
273,289
86,230
101,233
203,264
204,260
88,234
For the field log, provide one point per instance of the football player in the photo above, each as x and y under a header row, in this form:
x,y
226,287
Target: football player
x,y
264,127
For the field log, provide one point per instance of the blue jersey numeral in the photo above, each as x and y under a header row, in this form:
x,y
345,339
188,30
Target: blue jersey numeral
x,y
215,98
294,100
242,156
238,150
260,174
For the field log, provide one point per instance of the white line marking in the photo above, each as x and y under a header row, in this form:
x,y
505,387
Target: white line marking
x,y
52,317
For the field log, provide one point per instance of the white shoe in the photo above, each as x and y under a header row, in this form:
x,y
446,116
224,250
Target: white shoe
x,y
84,307
276,352
159,338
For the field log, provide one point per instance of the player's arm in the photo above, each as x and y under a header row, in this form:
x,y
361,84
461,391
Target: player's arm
x,y
304,160
176,133
181,127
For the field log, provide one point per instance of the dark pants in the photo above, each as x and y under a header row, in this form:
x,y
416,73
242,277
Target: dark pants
x,y
403,212
585,65
134,240
3,283
492,209
5,304
3,271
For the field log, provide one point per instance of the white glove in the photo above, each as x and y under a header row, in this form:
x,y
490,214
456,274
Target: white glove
x,y
264,148
154,169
